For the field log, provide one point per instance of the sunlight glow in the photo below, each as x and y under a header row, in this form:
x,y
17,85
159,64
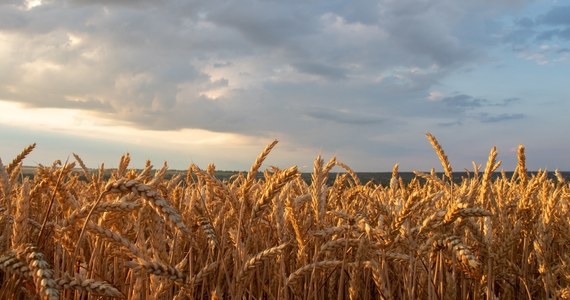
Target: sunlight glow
x,y
79,123
213,94
73,40
435,96
30,4
40,66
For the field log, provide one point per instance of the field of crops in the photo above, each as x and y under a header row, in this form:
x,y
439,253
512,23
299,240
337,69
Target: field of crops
x,y
69,234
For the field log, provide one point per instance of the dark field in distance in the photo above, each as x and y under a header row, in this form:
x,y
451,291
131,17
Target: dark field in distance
x,y
364,177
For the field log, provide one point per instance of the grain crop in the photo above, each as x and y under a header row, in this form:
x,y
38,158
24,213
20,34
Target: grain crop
x,y
87,232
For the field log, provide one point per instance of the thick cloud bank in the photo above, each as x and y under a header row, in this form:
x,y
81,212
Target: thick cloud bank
x,y
340,74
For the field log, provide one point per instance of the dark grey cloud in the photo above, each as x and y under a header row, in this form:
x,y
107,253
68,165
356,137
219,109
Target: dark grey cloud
x,y
541,37
462,102
548,35
264,23
450,123
529,33
556,16
494,118
321,70
87,104
512,101
134,3
520,38
222,64
525,22
426,43
564,34
11,20
343,117
461,108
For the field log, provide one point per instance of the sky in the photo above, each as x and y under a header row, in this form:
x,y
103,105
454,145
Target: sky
x,y
216,81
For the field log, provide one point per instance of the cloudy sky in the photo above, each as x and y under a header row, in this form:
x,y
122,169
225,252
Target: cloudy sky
x,y
215,81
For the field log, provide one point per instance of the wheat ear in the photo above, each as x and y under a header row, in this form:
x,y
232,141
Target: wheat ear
x,y
157,268
441,155
41,270
96,287
20,158
255,167
203,274
521,165
273,188
84,168
20,227
151,195
259,259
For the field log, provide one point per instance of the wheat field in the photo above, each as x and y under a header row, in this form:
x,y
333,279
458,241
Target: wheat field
x,y
72,233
